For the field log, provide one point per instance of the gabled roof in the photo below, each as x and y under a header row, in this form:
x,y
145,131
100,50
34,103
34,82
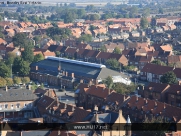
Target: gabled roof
x,y
174,89
92,53
160,108
156,87
104,55
99,91
141,58
156,69
71,50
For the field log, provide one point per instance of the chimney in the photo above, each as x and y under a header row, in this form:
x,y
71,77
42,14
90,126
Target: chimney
x,y
72,75
96,118
109,91
6,88
164,106
29,87
155,104
73,108
59,68
36,67
59,133
136,98
63,73
95,108
66,74
146,101
143,87
65,106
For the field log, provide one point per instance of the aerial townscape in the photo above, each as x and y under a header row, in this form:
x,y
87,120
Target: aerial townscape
x,y
90,68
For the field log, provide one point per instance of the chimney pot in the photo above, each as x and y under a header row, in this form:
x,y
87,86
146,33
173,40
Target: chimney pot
x,y
36,67
72,75
66,74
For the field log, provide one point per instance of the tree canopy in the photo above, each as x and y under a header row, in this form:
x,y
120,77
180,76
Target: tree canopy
x,y
158,62
169,78
5,71
38,57
20,40
113,64
85,38
27,54
117,50
2,82
60,32
108,81
144,22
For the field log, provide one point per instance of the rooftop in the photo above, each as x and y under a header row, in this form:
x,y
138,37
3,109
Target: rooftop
x,y
19,94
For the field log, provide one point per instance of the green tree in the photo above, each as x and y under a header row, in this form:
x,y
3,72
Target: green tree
x,y
25,80
27,54
117,50
10,58
160,10
108,82
34,86
20,40
17,80
80,13
9,81
89,7
37,39
113,64
24,68
85,38
2,82
124,89
158,62
144,22
5,71
57,54
169,78
38,57
42,86
103,48
146,12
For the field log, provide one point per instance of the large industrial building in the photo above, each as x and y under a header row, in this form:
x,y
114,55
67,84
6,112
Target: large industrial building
x,y
68,73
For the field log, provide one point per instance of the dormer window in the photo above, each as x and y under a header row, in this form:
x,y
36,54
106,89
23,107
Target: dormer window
x,y
50,111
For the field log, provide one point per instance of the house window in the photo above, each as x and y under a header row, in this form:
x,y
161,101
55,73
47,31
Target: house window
x,y
7,113
172,96
153,75
0,107
141,73
25,105
6,106
18,105
155,94
12,106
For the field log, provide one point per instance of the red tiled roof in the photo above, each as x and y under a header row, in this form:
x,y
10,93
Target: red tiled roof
x,y
98,91
156,69
71,50
104,55
155,107
156,87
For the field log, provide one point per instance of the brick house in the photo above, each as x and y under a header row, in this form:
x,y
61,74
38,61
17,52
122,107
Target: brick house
x,y
153,72
156,91
140,61
16,103
174,95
